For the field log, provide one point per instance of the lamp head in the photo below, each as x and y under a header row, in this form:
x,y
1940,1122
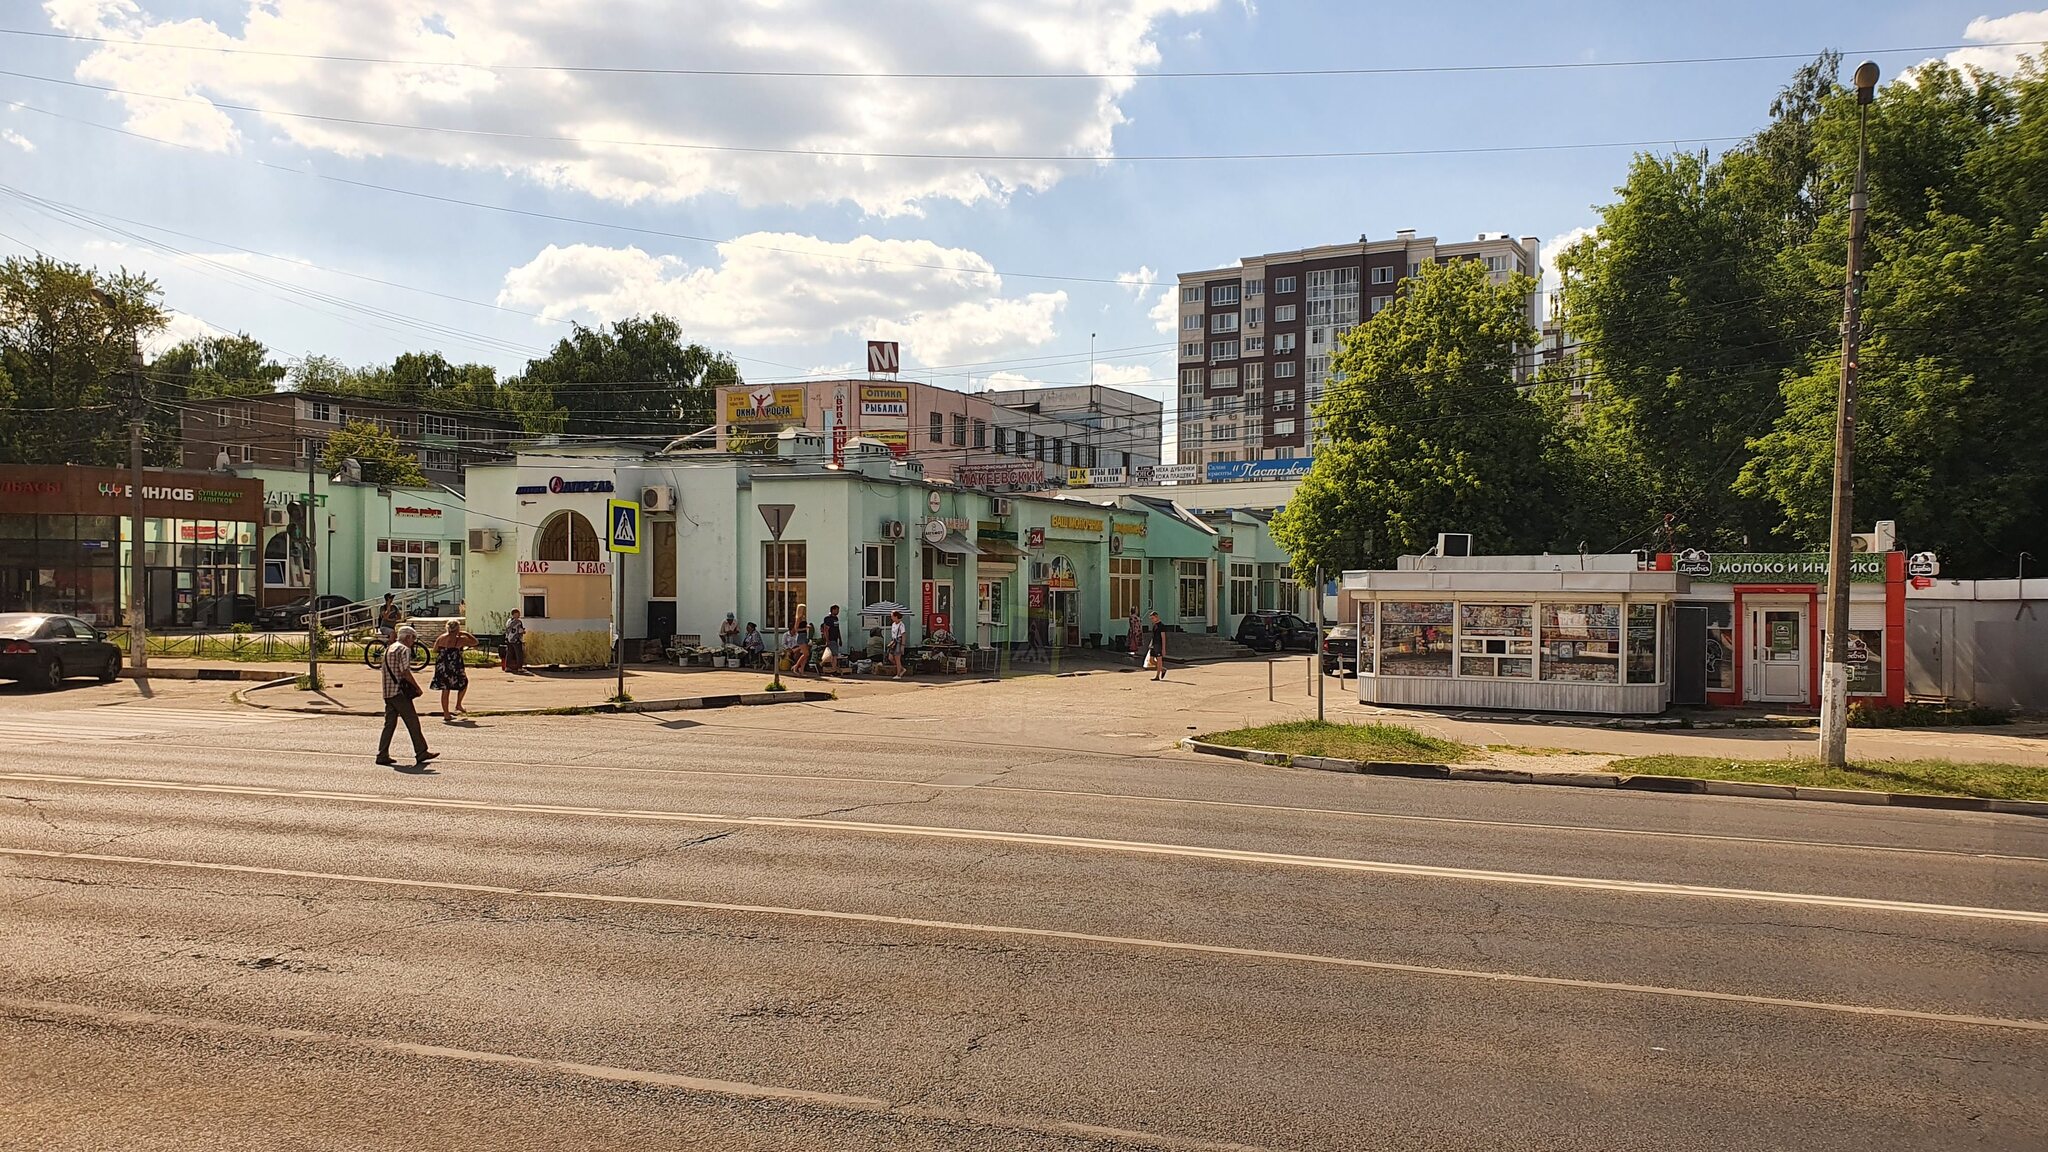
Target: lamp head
x,y
1866,81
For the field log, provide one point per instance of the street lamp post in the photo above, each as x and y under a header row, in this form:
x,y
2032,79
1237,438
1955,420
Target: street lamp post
x,y
138,654
1834,685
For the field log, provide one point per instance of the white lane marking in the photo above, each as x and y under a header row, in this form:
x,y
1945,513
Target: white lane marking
x,y
1086,843
699,1085
123,722
1146,798
1042,934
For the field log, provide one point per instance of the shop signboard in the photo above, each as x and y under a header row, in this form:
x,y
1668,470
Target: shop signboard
x,y
1923,564
565,568
764,406
1290,468
1034,538
1788,568
1167,474
898,439
1065,522
1002,475
1060,574
885,400
556,486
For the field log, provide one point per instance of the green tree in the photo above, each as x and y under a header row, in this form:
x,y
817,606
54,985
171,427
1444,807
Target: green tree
x,y
1423,430
318,373
213,366
66,335
634,377
382,458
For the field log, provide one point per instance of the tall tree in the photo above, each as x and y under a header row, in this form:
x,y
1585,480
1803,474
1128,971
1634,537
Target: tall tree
x,y
213,366
67,333
1423,430
635,376
382,458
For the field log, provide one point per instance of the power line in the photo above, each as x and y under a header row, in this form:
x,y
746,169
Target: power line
x,y
802,74
858,154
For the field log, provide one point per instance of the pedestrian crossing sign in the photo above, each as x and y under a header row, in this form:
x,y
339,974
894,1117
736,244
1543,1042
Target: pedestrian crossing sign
x,y
623,519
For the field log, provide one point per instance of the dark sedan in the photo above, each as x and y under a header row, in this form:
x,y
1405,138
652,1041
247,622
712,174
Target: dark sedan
x,y
46,650
1268,631
293,615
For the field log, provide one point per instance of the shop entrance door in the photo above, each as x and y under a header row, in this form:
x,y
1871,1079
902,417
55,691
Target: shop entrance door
x,y
1689,656
1066,617
1777,655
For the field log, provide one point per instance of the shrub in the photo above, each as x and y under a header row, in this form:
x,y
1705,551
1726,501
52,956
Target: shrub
x,y
1925,716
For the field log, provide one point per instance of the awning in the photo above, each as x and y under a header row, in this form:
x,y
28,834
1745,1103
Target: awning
x,y
958,545
1002,550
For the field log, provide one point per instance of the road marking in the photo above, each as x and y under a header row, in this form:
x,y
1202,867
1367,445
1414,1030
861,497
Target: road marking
x,y
947,784
1139,942
699,1085
1083,843
127,721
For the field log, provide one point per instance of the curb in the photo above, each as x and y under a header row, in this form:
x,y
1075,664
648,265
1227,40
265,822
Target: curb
x,y
244,674
680,704
1678,785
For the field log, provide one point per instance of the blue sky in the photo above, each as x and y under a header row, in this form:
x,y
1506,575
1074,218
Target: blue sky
x,y
830,251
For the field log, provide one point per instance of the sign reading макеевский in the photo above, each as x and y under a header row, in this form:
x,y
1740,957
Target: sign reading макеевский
x,y
1788,568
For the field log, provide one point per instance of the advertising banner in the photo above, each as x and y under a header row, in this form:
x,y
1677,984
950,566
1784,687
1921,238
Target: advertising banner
x,y
1788,568
764,406
885,400
1291,468
1002,475
1167,474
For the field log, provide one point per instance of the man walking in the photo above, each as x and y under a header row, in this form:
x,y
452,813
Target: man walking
x,y
834,643
401,688
1155,647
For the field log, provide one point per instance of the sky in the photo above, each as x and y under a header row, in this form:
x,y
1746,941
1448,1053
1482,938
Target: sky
x,y
479,175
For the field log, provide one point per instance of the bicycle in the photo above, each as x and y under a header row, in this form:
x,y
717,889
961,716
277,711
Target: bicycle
x,y
373,653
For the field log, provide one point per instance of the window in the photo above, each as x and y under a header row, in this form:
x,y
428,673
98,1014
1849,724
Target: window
x,y
784,580
1283,284
1380,302
938,427
1192,322
534,605
981,433
1255,345
1192,436
1316,336
1414,270
1317,368
437,425
438,460
1283,400
661,540
1367,643
989,603
1284,342
1215,405
878,574
281,563
1496,263
220,417
1226,433
1582,643
1642,644
1222,377
1319,284
1038,447
1002,440
248,454
1283,370
1284,314
959,430
1283,427
1253,317
1191,351
1190,379
409,572
245,416
321,411
1194,589
1255,287
1126,587
563,536
1223,322
1415,638
1059,451
1243,589
1191,295
1223,350
1223,294
1254,374
1720,654
1497,641
1383,275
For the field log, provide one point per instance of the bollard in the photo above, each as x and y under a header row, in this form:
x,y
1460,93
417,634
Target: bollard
x,y
1269,681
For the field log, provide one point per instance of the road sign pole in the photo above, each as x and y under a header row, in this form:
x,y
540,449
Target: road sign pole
x,y
622,538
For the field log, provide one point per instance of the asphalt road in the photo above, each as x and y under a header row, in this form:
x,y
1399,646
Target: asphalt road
x,y
872,925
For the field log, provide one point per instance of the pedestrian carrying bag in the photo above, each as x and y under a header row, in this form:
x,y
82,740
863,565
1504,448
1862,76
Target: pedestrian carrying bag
x,y
1151,662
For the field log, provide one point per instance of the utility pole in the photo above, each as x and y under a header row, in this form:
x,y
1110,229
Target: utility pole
x,y
312,585
1317,656
138,656
1834,681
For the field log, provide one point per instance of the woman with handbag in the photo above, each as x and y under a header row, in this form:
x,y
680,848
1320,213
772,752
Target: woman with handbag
x,y
401,688
450,673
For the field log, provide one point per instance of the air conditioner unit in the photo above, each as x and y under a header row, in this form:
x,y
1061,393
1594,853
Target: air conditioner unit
x,y
947,559
1454,543
1863,542
484,540
658,498
276,517
1002,505
893,530
1887,533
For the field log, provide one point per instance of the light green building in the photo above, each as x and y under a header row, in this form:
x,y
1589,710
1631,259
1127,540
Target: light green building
x,y
369,541
993,570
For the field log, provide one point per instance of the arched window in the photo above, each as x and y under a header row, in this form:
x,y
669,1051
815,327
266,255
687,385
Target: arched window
x,y
566,536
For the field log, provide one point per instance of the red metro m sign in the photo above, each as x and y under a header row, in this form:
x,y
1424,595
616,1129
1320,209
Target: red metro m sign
x,y
882,358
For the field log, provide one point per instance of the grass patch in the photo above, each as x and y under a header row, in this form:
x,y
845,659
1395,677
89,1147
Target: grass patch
x,y
1921,777
1344,741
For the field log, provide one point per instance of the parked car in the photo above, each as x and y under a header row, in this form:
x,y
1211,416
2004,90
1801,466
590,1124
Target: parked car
x,y
1268,631
46,650
293,615
1340,650
221,611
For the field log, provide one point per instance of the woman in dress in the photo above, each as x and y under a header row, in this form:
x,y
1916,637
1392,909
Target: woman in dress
x,y
515,643
1134,634
800,641
449,673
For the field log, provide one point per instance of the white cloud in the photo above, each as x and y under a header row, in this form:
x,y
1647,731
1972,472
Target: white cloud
x,y
1129,377
945,305
1547,260
1066,118
17,139
1138,282
2030,29
1165,311
182,326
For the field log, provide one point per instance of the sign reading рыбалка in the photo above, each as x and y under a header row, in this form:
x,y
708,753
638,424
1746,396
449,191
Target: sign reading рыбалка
x,y
1788,568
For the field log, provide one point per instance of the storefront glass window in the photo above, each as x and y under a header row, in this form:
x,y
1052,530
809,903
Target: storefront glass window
x,y
785,570
1415,638
1366,641
1194,590
1582,642
1866,660
878,579
1642,643
1242,588
1126,587
566,536
1721,647
1496,640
